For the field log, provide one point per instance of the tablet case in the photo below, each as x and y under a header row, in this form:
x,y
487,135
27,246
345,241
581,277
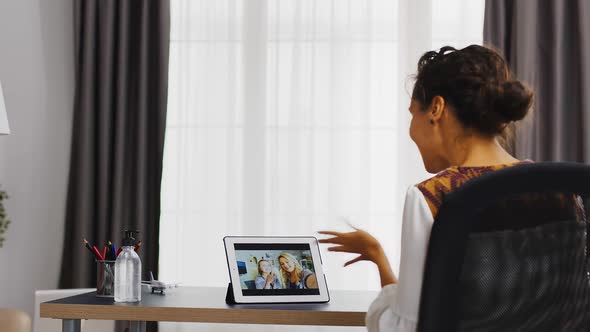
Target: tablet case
x,y
229,296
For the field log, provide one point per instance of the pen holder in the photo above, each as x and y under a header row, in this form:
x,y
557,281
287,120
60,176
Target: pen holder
x,y
105,278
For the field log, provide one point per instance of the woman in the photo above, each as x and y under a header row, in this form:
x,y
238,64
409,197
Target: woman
x,y
266,278
293,275
461,103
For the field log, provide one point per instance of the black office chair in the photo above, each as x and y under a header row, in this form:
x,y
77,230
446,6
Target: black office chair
x,y
508,252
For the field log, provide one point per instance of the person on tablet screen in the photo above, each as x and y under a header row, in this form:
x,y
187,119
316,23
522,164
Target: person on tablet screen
x,y
294,276
267,278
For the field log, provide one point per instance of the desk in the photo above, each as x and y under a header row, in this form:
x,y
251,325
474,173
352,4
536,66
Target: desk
x,y
207,305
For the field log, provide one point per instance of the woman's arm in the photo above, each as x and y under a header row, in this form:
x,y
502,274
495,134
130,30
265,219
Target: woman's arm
x,y
385,273
396,307
259,282
309,279
269,279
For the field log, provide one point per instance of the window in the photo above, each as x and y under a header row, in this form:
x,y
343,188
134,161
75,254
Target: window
x,y
284,115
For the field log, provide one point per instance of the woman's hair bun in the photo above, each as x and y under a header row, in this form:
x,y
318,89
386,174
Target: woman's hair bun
x,y
510,99
477,83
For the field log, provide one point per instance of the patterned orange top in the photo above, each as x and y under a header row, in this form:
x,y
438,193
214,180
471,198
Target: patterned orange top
x,y
435,188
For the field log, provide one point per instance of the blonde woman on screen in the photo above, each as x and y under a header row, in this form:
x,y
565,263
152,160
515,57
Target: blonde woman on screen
x,y
294,276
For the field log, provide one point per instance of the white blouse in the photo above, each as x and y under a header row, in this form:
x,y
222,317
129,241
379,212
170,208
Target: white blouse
x,y
396,306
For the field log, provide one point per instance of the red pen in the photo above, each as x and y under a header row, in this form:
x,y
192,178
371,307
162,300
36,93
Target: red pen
x,y
137,246
104,252
97,254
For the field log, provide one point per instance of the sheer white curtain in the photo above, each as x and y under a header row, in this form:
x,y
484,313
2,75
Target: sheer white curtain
x,y
286,114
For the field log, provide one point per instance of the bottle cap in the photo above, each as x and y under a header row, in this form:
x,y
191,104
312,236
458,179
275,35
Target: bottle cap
x,y
129,238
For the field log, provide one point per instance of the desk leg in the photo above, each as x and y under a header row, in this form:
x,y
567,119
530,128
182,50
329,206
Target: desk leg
x,y
136,326
70,325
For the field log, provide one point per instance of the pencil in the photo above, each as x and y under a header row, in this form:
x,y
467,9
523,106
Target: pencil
x,y
87,245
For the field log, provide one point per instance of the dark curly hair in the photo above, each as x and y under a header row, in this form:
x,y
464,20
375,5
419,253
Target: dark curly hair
x,y
478,85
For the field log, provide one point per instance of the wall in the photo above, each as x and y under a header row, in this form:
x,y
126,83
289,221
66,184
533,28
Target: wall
x,y
37,75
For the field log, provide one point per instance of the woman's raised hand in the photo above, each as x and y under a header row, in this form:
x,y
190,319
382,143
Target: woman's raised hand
x,y
357,242
366,246
269,279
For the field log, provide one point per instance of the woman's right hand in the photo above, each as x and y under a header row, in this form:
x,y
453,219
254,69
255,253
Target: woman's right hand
x,y
269,279
357,242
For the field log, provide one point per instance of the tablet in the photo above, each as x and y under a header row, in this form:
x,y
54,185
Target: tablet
x,y
275,269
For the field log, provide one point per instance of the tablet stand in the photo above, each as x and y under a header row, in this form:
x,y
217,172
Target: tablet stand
x,y
229,296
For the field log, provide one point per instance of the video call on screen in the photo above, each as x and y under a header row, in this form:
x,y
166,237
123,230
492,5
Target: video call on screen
x,y
276,269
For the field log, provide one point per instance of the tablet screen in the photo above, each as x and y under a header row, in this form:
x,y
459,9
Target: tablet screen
x,y
276,269
279,269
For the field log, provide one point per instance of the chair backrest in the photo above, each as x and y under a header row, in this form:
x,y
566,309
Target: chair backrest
x,y
55,325
508,252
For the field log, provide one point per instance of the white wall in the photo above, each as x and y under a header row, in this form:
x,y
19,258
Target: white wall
x,y
37,75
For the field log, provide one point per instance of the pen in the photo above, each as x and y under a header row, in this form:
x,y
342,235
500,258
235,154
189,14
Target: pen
x,y
137,246
109,253
87,246
104,252
97,254
114,251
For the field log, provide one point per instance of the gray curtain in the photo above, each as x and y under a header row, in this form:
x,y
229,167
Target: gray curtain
x,y
547,44
122,50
